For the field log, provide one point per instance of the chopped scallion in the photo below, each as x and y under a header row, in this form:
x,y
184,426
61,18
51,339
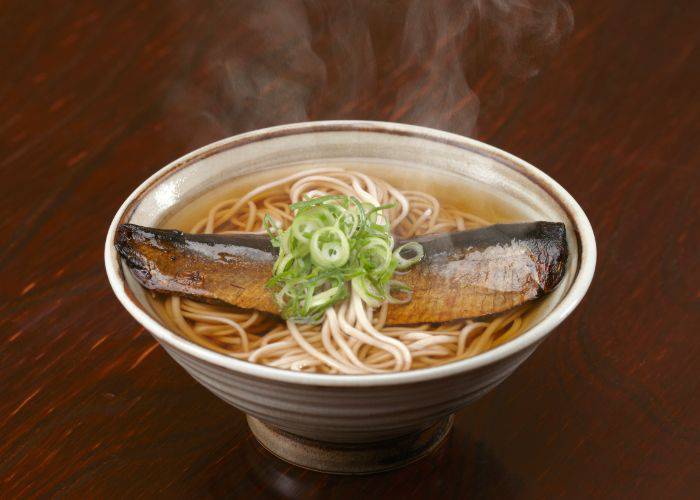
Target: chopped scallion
x,y
335,242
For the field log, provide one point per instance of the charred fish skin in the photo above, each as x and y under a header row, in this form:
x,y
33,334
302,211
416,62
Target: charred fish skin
x,y
206,266
545,242
477,273
465,274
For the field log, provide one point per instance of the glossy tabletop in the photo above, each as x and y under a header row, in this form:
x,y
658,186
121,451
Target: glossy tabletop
x,y
603,96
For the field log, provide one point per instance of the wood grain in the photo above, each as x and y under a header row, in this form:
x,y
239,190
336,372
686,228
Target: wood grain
x,y
95,96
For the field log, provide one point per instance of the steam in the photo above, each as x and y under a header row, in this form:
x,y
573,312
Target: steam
x,y
275,81
439,96
347,48
283,61
439,37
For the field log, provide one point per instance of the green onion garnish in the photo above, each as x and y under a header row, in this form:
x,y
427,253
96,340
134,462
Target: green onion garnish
x,y
332,241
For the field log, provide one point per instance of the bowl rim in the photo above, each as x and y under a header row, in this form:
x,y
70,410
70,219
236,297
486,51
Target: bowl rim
x,y
576,292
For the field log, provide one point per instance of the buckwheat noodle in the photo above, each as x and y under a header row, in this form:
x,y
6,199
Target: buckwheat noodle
x,y
353,338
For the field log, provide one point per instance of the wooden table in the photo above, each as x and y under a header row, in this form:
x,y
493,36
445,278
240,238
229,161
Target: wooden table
x,y
93,99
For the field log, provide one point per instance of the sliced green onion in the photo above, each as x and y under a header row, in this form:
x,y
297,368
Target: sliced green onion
x,y
321,200
412,247
375,255
282,264
271,226
348,222
305,224
327,297
368,291
334,240
399,287
329,247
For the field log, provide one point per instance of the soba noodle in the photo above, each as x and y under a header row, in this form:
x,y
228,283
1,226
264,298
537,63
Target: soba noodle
x,y
353,338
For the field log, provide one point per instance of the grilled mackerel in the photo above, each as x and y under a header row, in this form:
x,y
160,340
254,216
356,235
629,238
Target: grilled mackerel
x,y
464,274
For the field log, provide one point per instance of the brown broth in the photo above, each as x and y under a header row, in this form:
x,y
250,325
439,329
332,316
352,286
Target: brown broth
x,y
449,188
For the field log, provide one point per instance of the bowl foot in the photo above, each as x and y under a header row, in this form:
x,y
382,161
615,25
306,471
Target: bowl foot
x,y
355,458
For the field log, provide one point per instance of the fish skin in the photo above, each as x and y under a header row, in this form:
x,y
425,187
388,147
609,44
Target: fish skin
x,y
485,271
212,267
465,274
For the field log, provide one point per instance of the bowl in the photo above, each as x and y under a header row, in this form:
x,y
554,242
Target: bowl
x,y
354,423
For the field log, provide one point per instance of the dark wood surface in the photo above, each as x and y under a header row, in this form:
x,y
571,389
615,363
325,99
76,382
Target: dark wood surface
x,y
95,96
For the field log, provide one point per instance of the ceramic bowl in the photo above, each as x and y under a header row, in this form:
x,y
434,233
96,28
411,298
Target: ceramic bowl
x,y
354,423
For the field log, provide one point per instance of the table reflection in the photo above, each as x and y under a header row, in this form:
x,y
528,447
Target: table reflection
x,y
459,466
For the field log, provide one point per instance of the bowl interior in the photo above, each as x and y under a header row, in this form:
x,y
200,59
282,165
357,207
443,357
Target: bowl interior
x,y
491,177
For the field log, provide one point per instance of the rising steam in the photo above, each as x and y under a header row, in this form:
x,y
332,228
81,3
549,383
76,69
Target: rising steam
x,y
294,60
